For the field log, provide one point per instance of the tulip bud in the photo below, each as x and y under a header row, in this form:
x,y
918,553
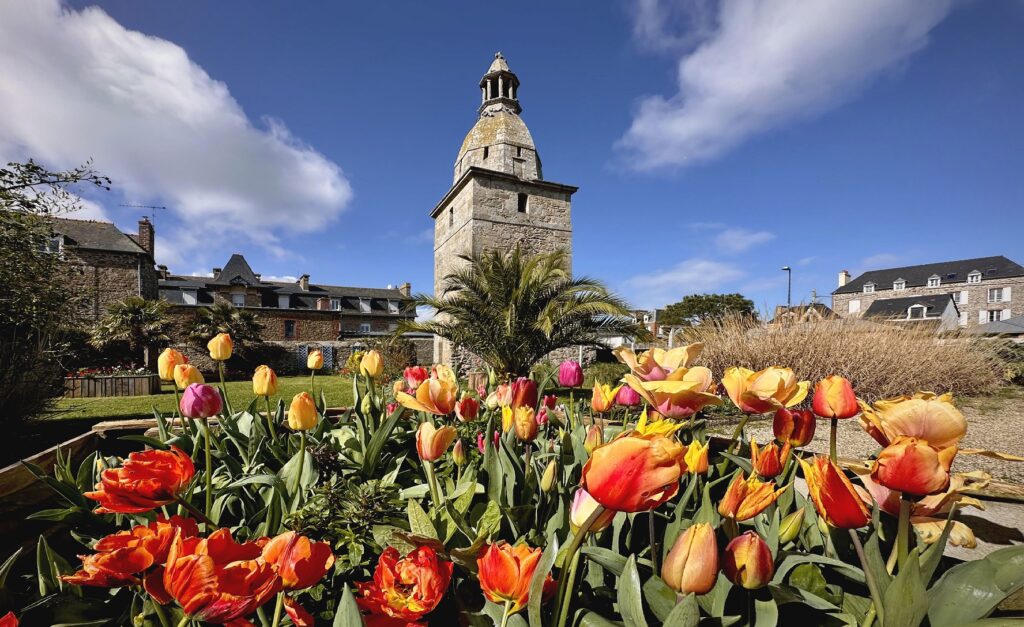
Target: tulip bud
x,y
542,416
550,401
525,424
200,401
220,347
834,398
467,408
371,365
459,453
570,374
264,381
594,439
692,564
492,401
167,361
391,407
492,377
822,526
583,505
481,443
748,561
696,458
366,405
524,393
187,374
790,526
431,442
766,462
315,360
302,415
547,480
627,397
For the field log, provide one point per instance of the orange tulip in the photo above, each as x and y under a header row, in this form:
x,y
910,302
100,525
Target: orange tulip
x,y
583,505
431,442
696,458
766,461
834,398
405,588
166,362
794,427
910,465
298,614
315,360
678,397
467,408
264,381
505,573
302,414
746,498
833,495
924,416
300,562
146,480
434,396
659,364
525,422
764,391
603,398
217,580
220,347
187,374
692,564
634,473
594,438
748,561
9,620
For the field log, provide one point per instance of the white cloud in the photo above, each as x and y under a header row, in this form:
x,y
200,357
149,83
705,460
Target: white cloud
x,y
806,261
881,260
425,314
764,64
422,237
78,85
739,240
693,276
285,278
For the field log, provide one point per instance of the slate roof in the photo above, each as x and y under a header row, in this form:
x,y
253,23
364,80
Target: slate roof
x,y
236,272
799,311
1010,326
934,304
96,235
947,271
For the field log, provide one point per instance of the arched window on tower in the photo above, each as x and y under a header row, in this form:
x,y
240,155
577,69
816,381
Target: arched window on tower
x,y
522,202
487,151
451,217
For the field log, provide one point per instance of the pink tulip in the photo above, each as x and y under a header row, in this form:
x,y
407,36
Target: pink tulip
x,y
200,401
542,416
570,374
627,397
550,401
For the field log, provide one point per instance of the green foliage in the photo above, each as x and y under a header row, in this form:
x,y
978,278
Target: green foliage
x,y
698,308
241,324
136,322
511,309
605,372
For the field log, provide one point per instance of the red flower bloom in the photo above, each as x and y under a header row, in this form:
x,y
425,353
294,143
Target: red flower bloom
x,y
120,557
405,588
300,617
9,620
147,480
524,393
300,562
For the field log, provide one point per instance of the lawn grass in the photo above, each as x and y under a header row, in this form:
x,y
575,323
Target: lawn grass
x,y
337,389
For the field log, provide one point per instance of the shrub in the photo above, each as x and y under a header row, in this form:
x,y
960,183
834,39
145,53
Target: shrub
x,y
608,373
881,360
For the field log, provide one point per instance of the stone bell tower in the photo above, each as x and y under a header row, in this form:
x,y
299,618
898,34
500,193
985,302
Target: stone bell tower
x,y
499,197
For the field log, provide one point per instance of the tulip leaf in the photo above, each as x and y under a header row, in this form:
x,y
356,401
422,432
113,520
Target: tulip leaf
x,y
789,560
376,445
592,619
5,568
808,578
933,554
905,600
612,560
739,461
708,513
489,522
153,442
970,591
766,613
547,561
347,614
875,562
686,613
630,603
660,598
419,522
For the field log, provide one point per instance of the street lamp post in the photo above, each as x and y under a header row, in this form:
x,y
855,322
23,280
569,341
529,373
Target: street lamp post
x,y
789,287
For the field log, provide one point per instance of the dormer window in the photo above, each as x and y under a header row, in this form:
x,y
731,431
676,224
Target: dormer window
x,y
974,277
364,305
869,288
335,304
189,297
393,306
54,245
916,312
934,281
899,285
283,301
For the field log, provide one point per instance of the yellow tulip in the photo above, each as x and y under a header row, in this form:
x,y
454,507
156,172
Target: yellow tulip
x,y
603,398
315,360
264,381
659,364
187,374
168,359
302,415
435,396
924,416
764,391
220,347
371,365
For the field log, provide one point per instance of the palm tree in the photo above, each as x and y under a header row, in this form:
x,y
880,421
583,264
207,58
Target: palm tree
x,y
511,309
135,321
222,317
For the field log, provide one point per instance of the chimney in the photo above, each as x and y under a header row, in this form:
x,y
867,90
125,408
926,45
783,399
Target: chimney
x,y
844,278
147,236
259,277
323,304
405,289
162,272
304,282
216,272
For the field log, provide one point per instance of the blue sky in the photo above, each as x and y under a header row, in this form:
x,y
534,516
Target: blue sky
x,y
713,143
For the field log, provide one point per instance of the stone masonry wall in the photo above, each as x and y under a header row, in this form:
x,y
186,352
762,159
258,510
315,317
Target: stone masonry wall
x,y
105,278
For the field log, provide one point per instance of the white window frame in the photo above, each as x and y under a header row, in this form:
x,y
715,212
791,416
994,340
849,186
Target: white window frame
x,y
963,296
869,288
899,285
335,304
934,281
190,297
963,318
995,315
974,277
284,301
998,292
365,305
54,245
234,301
910,312
364,327
393,306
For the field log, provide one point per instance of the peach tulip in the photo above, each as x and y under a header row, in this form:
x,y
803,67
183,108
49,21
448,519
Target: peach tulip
x,y
187,374
431,442
748,561
371,365
166,362
220,347
834,398
659,364
680,397
634,472
583,505
910,465
603,398
302,414
264,381
764,391
692,564
923,415
434,396
315,360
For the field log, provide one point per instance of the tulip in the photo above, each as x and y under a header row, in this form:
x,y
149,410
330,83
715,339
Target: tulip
x,y
924,416
503,395
315,360
627,397
220,347
833,495
391,408
302,414
505,573
442,372
680,397
692,564
766,462
834,398
794,427
147,480
200,401
371,365
912,466
431,442
459,453
659,364
300,562
298,614
790,526
492,401
748,561
434,396
217,580
9,620
414,376
763,391
467,408
543,417
696,458
524,393
746,498
583,506
547,480
166,362
594,438
404,588
525,424
481,443
603,398
550,401
187,374
634,473
264,381
570,374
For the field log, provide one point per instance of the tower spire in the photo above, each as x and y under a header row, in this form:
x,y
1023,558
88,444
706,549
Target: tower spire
x,y
499,87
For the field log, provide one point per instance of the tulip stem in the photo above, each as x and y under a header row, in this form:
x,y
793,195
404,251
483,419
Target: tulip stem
x,y
191,509
209,467
184,621
177,407
435,491
572,411
903,533
298,475
655,554
737,434
505,614
223,388
270,422
869,577
832,440
312,389
568,583
277,610
160,614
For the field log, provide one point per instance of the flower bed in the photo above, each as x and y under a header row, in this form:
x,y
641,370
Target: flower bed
x,y
429,504
117,381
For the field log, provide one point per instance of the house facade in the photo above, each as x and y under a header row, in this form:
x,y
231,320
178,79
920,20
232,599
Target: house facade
x,y
983,290
938,310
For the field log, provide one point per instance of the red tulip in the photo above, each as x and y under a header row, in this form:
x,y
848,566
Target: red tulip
x,y
414,376
9,620
147,480
570,374
405,588
794,426
467,408
634,473
748,561
833,495
300,562
550,401
746,498
766,462
298,614
834,398
200,401
524,393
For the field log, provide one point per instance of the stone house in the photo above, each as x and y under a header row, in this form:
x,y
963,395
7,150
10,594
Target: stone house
x,y
107,265
938,310
984,290
801,314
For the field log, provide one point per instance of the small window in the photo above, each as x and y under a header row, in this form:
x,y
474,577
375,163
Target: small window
x,y
995,315
393,326
487,151
995,295
238,300
854,306
962,298
284,301
451,217
869,288
335,304
519,151
934,281
899,285
393,306
54,245
189,297
289,329
364,327
974,277
916,312
522,202
364,305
